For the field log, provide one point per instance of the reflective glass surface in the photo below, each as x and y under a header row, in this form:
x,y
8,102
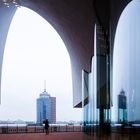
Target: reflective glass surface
x,y
126,67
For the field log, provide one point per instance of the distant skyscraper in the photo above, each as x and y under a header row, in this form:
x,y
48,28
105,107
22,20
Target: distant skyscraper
x,y
46,108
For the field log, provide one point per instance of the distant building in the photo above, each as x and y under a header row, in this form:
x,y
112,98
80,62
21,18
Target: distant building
x,y
46,108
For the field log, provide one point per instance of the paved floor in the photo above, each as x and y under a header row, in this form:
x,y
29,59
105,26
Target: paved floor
x,y
43,136
64,136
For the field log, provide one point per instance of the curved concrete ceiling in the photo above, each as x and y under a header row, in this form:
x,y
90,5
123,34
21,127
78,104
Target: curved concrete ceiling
x,y
74,21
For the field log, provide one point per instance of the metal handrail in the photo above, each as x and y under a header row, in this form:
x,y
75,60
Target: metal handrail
x,y
39,129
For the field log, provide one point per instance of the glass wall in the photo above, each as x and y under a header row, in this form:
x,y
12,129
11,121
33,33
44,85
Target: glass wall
x,y
126,67
95,85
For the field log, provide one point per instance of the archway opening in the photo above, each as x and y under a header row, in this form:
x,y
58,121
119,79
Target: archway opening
x,y
34,52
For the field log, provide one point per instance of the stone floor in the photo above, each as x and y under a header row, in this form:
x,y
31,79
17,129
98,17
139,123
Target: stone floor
x,y
65,136
43,136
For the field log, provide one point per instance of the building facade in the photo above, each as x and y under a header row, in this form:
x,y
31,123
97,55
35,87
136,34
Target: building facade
x,y
46,108
110,91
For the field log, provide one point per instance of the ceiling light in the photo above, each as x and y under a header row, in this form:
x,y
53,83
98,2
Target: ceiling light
x,y
9,3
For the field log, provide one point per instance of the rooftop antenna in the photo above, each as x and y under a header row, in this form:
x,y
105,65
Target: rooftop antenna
x,y
44,85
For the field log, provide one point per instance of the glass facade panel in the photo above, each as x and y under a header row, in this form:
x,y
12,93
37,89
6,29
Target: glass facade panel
x,y
95,93
126,67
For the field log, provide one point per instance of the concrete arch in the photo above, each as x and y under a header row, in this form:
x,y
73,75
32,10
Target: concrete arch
x,y
74,21
70,28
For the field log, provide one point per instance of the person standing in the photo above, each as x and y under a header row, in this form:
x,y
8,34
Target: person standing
x,y
47,126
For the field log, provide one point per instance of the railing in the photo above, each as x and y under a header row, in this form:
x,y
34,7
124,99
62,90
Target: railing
x,y
39,129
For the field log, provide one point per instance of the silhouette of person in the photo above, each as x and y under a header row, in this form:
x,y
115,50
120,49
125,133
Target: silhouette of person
x,y
47,126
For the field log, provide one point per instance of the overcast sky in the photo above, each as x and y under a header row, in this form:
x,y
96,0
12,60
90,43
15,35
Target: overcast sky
x,y
34,52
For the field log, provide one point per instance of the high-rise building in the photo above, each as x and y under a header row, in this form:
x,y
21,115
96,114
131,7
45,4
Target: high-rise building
x,y
46,108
